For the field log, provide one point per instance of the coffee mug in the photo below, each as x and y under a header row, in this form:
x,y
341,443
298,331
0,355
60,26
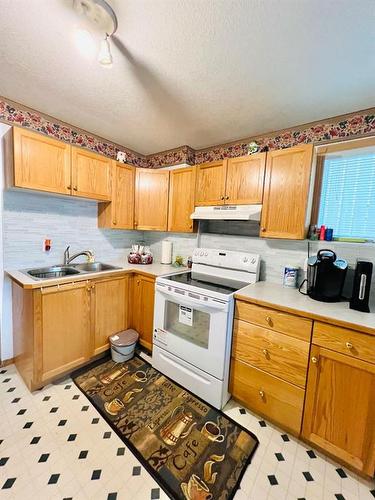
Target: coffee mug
x,y
196,489
140,376
114,407
212,432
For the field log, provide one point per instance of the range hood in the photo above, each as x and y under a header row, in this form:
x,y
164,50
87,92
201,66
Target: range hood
x,y
228,212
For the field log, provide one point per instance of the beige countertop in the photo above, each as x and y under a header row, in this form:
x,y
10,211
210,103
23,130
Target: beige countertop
x,y
290,300
156,269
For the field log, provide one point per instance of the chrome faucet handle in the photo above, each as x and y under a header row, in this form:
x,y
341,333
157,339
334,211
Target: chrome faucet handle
x,y
66,254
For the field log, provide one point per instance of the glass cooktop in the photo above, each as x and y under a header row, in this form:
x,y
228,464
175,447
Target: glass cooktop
x,y
214,284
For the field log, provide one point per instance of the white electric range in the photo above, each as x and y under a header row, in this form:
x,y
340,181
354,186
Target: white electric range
x,y
193,321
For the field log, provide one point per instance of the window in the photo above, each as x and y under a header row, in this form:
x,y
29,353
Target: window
x,y
347,191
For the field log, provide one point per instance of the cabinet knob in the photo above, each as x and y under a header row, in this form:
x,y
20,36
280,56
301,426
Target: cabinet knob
x,y
69,187
75,188
269,320
261,394
222,197
265,352
349,345
227,197
138,282
314,359
114,222
263,229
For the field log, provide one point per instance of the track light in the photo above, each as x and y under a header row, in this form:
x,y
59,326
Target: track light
x,y
105,56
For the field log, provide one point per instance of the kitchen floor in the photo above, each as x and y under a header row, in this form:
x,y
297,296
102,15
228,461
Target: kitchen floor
x,y
55,445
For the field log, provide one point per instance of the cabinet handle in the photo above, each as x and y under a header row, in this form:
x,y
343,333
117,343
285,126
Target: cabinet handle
x,y
138,282
69,187
261,394
349,345
114,222
269,320
265,352
75,188
227,197
222,197
263,229
314,359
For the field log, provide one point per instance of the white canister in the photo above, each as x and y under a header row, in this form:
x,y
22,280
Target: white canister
x,y
166,252
290,276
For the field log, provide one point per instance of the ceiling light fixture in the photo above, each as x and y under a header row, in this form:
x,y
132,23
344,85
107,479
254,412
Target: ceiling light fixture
x,y
100,14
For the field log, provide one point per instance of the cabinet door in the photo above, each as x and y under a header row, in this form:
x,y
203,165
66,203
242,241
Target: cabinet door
x,y
286,192
143,308
40,162
211,178
151,199
245,178
62,328
91,174
340,408
109,309
119,214
181,199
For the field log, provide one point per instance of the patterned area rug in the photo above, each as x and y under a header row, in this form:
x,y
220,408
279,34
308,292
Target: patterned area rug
x,y
193,451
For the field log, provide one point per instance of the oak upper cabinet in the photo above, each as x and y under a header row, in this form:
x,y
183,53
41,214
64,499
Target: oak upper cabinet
x,y
151,199
143,308
210,186
62,329
35,161
181,199
110,307
286,193
245,178
119,214
340,408
91,175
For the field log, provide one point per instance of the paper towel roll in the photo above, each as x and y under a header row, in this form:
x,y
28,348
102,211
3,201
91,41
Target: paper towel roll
x,y
166,252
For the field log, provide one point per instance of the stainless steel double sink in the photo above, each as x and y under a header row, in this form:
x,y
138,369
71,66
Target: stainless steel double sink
x,y
51,272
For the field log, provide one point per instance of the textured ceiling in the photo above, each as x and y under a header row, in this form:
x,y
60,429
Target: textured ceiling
x,y
197,72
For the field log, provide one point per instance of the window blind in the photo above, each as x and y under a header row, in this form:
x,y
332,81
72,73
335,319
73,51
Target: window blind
x,y
347,202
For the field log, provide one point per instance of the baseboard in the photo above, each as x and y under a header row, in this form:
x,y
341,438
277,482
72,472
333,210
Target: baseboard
x,y
6,362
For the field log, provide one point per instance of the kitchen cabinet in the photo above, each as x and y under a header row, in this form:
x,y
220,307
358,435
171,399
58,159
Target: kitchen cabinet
x,y
119,213
340,408
143,308
244,180
35,161
235,181
181,199
62,329
210,187
91,175
151,199
110,309
286,193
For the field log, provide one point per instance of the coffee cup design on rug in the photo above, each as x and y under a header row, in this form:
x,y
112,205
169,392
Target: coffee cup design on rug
x,y
212,432
114,407
140,376
176,428
196,489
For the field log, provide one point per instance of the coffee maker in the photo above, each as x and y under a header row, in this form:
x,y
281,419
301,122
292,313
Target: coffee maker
x,y
325,276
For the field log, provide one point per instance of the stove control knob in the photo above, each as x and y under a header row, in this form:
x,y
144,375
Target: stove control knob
x,y
245,260
201,253
205,254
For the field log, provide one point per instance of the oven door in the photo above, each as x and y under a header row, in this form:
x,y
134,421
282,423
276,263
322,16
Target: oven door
x,y
192,330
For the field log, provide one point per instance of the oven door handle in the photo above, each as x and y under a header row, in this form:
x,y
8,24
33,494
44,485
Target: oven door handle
x,y
188,301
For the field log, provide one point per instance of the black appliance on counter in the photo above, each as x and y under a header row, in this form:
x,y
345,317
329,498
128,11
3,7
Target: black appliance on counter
x,y
361,286
326,276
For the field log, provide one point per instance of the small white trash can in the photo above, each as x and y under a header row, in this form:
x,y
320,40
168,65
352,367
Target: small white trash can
x,y
123,345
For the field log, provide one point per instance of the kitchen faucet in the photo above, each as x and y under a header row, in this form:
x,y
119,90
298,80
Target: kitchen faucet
x,y
68,259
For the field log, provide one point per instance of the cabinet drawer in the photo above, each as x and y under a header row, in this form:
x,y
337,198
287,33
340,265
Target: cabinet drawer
x,y
277,400
274,320
356,344
276,353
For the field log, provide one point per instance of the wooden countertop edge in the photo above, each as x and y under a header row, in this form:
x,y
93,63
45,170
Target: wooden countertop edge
x,y
83,277
306,314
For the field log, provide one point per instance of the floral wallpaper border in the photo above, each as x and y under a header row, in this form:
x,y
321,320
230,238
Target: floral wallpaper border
x,y
342,127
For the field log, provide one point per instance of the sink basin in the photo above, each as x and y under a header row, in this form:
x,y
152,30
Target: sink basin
x,y
52,272
93,267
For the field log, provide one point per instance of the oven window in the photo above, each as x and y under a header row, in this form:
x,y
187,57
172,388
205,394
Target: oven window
x,y
187,323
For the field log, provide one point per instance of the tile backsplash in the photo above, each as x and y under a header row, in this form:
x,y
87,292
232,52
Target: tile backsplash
x,y
28,219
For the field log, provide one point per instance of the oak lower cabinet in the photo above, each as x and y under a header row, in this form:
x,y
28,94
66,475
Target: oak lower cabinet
x,y
143,296
286,193
151,199
35,161
181,199
110,309
339,413
119,213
